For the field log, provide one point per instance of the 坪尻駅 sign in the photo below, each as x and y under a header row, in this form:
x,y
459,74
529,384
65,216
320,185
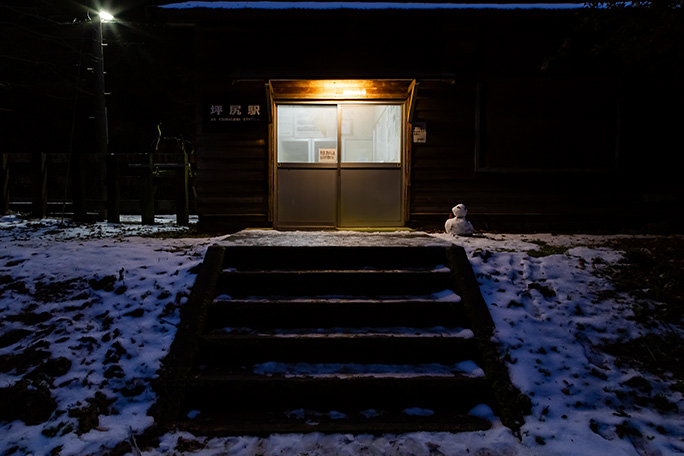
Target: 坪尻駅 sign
x,y
223,112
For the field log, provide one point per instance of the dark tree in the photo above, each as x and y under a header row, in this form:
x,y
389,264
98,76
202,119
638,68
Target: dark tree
x,y
47,84
43,52
645,38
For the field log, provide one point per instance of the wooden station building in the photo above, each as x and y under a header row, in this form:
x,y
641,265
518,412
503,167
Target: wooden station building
x,y
344,115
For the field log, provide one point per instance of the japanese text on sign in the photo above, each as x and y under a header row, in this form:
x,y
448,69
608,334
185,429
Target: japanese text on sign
x,y
234,113
327,155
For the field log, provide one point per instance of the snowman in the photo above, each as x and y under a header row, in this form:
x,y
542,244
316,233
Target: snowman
x,y
458,225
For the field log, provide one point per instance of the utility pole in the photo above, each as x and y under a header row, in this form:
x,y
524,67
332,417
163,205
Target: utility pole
x,y
101,140
102,196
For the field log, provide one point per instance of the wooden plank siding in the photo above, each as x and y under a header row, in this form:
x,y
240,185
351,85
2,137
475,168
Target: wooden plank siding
x,y
523,145
549,190
437,166
232,184
232,177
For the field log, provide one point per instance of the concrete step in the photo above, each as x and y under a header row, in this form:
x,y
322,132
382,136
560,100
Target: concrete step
x,y
228,392
332,257
387,283
327,313
299,421
341,347
304,339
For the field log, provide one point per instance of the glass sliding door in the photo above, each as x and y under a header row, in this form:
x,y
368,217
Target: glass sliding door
x,y
339,165
303,130
306,191
370,168
371,133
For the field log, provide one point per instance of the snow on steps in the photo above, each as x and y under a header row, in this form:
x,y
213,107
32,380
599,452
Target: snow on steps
x,y
334,339
343,347
328,313
361,282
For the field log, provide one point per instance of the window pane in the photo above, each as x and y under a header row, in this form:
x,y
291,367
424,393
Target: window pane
x,y
304,130
371,134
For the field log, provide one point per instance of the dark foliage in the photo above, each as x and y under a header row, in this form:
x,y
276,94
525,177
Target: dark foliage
x,y
654,270
47,87
638,37
653,274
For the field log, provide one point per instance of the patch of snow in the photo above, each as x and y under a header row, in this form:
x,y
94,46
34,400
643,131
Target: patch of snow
x,y
111,298
446,296
437,331
335,415
353,370
371,413
417,411
333,238
483,411
551,317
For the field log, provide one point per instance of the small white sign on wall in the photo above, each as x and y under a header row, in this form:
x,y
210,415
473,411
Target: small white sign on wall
x,y
327,155
419,132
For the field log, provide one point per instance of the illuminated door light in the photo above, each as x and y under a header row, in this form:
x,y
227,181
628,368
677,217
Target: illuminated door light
x,y
354,92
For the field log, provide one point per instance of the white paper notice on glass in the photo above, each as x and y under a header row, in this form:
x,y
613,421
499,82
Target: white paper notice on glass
x,y
327,155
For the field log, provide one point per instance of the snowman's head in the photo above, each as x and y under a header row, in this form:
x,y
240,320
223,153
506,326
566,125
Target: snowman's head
x,y
459,210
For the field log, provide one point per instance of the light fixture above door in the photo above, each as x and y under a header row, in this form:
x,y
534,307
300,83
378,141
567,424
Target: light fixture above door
x,y
341,89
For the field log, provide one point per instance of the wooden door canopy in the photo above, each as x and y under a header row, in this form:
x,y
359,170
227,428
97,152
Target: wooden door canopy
x,y
341,89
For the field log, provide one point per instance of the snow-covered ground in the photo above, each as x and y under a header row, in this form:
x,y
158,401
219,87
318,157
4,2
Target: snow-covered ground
x,y
89,311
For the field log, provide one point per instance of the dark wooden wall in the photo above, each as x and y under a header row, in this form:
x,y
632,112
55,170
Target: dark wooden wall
x,y
232,163
522,158
524,144
447,157
232,178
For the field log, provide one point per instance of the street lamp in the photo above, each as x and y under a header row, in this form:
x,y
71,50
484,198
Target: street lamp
x,y
105,16
101,129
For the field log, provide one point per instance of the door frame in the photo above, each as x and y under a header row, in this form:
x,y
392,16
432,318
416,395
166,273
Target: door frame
x,y
274,165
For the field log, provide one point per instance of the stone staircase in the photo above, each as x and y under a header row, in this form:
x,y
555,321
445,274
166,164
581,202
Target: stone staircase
x,y
330,339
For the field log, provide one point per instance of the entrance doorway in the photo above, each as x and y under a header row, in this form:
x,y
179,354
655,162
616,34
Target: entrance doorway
x,y
339,165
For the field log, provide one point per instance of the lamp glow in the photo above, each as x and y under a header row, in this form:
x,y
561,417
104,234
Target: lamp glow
x,y
354,92
105,16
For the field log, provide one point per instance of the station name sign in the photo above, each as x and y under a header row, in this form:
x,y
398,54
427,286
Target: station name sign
x,y
227,113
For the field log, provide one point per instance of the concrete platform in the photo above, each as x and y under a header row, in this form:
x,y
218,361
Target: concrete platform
x,y
262,237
